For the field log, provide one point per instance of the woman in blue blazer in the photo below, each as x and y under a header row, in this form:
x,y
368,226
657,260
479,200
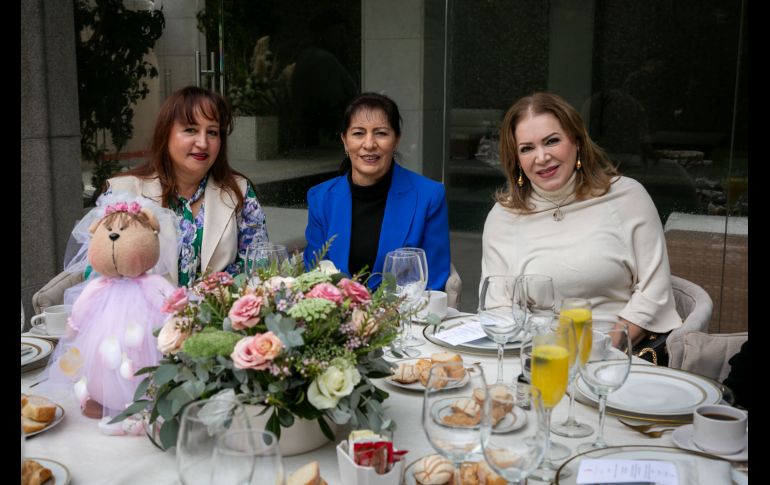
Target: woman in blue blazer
x,y
375,205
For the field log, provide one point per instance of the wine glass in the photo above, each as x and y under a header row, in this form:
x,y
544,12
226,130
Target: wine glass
x,y
514,459
201,423
553,353
410,340
496,314
454,434
579,310
604,370
265,255
409,275
247,457
539,303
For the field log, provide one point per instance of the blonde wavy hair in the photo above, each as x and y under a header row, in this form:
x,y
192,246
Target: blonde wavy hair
x,y
593,179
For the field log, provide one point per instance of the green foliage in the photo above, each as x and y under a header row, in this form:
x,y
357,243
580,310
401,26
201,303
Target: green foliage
x,y
210,343
111,43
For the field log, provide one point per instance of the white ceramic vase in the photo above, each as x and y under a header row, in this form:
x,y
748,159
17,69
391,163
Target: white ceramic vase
x,y
303,436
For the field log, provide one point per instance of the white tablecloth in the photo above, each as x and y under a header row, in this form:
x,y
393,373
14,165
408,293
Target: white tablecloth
x,y
94,458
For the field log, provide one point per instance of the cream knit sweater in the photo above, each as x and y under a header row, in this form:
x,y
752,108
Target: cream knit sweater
x,y
608,249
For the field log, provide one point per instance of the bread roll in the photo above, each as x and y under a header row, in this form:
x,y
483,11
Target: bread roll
x,y
421,365
439,377
309,474
469,473
39,409
487,476
406,374
33,473
433,470
24,399
453,364
30,425
458,418
467,406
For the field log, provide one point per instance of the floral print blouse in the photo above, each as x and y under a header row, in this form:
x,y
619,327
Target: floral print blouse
x,y
252,229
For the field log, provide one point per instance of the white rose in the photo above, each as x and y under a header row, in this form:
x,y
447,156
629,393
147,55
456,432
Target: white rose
x,y
327,267
275,282
335,383
170,339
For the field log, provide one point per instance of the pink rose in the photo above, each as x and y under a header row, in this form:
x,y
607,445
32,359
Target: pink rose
x,y
362,323
245,311
177,301
170,338
354,290
256,352
327,291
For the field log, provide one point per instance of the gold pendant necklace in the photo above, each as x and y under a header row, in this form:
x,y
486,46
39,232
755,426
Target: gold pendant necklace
x,y
557,214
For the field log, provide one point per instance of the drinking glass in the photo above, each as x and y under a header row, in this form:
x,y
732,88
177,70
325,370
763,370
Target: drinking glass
x,y
265,255
514,458
496,314
579,310
247,457
201,423
410,340
553,353
409,275
605,370
539,303
457,440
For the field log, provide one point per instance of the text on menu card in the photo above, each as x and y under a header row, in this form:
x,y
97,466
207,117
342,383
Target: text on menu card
x,y
593,471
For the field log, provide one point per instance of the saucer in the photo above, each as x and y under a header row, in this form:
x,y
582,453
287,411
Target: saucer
x,y
41,331
682,437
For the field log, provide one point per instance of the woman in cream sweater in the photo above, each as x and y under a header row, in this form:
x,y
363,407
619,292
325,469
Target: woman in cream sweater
x,y
568,214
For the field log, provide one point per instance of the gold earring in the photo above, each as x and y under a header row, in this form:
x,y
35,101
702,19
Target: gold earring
x,y
578,165
520,181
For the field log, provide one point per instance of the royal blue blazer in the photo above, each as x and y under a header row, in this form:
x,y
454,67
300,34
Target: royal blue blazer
x,y
415,216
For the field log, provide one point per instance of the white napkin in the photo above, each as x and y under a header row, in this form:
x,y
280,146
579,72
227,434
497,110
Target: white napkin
x,y
702,471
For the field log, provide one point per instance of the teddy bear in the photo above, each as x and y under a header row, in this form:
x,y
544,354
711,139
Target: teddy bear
x,y
110,330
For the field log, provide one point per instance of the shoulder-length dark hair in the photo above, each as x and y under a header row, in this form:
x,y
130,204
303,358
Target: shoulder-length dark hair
x,y
182,106
370,102
593,179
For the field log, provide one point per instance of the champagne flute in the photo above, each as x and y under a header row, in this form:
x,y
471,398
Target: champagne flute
x,y
553,353
514,459
265,255
407,271
247,457
496,314
410,340
579,310
605,370
455,439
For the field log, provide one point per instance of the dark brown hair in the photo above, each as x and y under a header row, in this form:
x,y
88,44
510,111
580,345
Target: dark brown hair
x,y
182,106
593,179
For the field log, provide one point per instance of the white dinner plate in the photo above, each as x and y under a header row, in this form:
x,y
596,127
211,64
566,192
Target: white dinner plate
x,y
483,346
682,437
56,420
41,348
409,471
450,313
510,422
658,391
646,452
417,386
61,475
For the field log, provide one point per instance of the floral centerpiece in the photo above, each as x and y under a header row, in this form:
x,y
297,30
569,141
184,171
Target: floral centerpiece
x,y
304,345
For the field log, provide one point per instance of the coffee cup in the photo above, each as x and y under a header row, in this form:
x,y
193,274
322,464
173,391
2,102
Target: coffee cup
x,y
435,303
53,320
719,429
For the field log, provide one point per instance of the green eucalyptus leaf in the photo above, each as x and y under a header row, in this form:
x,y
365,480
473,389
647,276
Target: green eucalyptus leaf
x,y
325,429
273,425
168,433
165,373
163,406
142,388
130,410
285,329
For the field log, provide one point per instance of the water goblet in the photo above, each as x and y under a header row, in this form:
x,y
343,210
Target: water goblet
x,y
409,276
266,256
579,309
409,340
605,370
514,458
247,457
553,353
496,314
539,302
200,424
454,434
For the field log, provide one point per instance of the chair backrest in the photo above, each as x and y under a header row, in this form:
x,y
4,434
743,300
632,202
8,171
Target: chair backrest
x,y
694,305
453,288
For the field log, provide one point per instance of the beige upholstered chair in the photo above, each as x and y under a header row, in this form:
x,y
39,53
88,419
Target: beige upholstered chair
x,y
708,354
53,291
694,305
453,288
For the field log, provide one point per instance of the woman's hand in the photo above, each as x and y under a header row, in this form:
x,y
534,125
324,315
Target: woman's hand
x,y
635,332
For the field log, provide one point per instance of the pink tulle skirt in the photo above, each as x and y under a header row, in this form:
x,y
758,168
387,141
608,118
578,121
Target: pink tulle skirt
x,y
110,337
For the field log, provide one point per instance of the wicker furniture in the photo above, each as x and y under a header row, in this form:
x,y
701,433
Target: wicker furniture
x,y
712,252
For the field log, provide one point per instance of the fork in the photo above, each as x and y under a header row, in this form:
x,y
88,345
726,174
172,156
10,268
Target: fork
x,y
646,429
